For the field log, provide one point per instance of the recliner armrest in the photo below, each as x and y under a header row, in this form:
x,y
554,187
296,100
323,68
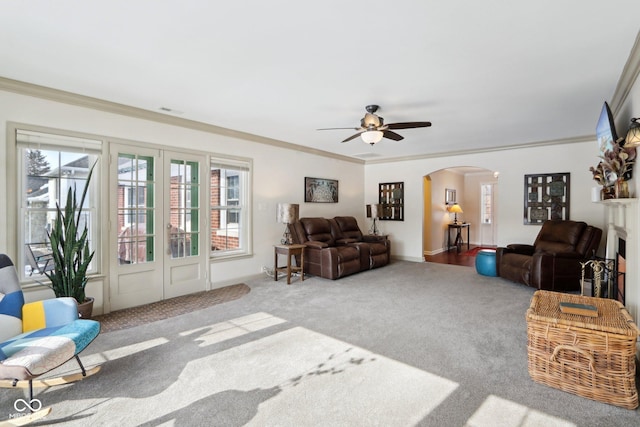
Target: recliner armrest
x,y
567,255
315,244
346,241
521,248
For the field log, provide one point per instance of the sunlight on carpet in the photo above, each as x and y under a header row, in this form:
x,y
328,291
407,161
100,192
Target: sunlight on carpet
x,y
511,414
295,376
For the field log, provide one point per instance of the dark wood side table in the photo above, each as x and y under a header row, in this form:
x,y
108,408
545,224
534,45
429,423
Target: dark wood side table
x,y
459,240
288,251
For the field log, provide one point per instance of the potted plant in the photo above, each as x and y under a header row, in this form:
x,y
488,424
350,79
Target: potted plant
x,y
71,255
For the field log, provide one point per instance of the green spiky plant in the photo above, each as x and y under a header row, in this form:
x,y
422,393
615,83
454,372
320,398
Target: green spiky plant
x,y
71,255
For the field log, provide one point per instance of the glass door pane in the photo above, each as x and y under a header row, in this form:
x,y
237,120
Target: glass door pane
x,y
136,189
184,209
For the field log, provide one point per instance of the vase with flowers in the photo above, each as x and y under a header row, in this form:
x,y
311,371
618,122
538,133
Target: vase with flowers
x,y
612,171
600,176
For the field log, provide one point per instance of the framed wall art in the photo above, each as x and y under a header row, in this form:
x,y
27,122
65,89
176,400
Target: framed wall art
x,y
391,197
546,196
449,196
320,190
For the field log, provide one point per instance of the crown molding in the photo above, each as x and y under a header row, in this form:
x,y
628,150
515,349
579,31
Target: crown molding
x,y
572,140
70,98
627,79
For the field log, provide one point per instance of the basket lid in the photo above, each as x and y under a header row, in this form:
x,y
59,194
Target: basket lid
x,y
612,316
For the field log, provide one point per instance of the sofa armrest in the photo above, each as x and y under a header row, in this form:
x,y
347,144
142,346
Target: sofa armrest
x,y
521,248
346,241
558,255
315,244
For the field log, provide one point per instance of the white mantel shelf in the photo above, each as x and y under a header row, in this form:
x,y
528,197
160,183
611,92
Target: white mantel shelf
x,y
623,221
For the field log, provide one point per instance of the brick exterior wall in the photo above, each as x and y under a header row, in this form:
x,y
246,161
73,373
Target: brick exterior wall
x,y
218,242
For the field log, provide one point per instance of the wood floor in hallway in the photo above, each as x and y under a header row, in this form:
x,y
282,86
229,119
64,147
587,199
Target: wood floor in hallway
x,y
453,257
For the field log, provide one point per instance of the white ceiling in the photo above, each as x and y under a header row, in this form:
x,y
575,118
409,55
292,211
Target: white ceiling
x,y
486,73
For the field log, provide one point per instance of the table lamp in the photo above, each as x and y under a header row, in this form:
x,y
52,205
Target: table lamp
x,y
374,211
456,209
287,213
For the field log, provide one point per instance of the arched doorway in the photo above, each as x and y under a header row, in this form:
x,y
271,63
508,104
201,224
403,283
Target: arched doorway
x,y
475,189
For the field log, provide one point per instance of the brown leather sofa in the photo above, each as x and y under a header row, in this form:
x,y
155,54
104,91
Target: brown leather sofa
x,y
332,254
553,261
375,251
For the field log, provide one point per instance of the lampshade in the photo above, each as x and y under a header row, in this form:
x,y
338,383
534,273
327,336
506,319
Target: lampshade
x,y
371,136
374,211
287,213
633,136
455,208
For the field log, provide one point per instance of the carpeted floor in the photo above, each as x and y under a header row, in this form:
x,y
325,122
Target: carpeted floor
x,y
136,316
410,344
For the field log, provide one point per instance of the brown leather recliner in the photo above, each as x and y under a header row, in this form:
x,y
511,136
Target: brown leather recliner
x,y
553,261
323,257
375,251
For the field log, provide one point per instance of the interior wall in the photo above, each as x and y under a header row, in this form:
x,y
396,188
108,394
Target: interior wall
x,y
278,174
438,218
513,164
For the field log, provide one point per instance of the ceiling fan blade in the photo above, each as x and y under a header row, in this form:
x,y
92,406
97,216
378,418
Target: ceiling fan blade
x,y
352,137
352,128
408,125
392,135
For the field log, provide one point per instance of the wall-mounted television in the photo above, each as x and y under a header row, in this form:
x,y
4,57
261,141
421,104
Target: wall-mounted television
x,y
606,129
607,136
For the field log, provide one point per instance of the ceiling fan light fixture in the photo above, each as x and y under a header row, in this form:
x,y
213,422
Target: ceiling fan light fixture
x,y
371,136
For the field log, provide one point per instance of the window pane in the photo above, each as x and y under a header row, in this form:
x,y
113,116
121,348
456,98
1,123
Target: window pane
x,y
184,212
486,203
48,173
135,232
228,201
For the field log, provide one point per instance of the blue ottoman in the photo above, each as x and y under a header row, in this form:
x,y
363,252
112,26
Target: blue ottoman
x,y
486,262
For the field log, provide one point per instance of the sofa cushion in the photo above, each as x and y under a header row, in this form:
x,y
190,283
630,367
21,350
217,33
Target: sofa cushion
x,y
561,231
348,226
317,230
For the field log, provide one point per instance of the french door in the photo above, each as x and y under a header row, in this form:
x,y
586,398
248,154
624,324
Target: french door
x,y
158,225
488,229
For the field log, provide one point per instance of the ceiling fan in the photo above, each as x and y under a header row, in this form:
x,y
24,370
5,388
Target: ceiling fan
x,y
372,128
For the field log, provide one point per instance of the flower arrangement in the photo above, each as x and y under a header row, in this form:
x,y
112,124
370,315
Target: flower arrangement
x,y
615,163
599,174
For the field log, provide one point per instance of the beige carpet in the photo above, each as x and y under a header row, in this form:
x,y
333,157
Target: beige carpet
x,y
410,344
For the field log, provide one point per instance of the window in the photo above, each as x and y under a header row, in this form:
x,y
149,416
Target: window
x,y
229,207
487,202
48,166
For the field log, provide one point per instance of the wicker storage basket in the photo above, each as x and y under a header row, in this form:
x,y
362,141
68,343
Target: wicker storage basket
x,y
593,357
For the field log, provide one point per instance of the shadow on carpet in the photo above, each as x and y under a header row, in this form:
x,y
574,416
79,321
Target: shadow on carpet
x,y
135,316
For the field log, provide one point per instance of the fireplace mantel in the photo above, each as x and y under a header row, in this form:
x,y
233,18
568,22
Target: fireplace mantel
x,y
623,222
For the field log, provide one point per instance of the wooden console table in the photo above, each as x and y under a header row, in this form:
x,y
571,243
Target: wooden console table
x,y
459,240
289,251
